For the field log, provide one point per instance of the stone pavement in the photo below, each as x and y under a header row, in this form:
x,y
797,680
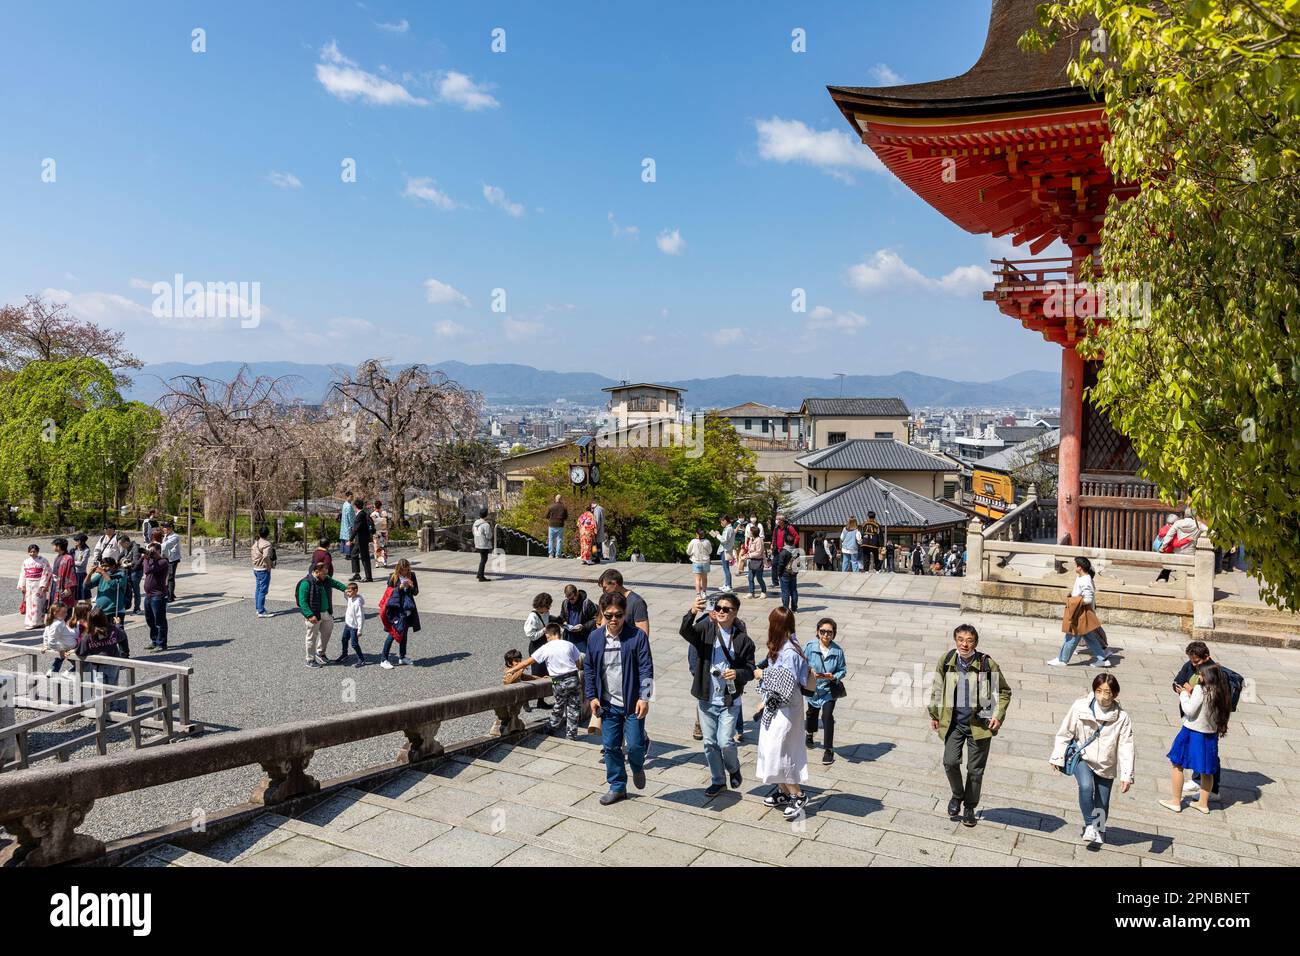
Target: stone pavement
x,y
880,803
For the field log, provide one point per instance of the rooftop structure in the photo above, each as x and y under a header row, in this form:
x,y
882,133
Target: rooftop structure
x,y
1011,148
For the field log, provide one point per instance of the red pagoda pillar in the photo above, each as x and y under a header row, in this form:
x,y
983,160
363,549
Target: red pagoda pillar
x,y
1069,455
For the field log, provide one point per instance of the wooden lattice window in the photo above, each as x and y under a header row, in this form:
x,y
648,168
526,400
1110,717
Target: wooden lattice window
x,y
1105,449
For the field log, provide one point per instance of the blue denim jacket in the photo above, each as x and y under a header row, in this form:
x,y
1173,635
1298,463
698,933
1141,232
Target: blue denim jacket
x,y
833,662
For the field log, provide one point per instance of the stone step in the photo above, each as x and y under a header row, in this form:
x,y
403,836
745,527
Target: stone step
x,y
921,836
169,855
1028,809
1262,613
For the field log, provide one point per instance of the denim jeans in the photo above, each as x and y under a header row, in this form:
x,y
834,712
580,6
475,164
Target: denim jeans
x,y
756,574
726,573
850,562
263,584
554,542
718,725
615,726
1094,795
135,577
155,615
1072,641
790,593
350,637
388,645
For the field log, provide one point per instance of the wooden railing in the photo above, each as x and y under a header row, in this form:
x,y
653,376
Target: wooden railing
x,y
1032,272
80,692
1121,513
42,807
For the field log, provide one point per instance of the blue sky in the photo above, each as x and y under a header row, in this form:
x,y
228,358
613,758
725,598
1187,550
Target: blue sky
x,y
478,170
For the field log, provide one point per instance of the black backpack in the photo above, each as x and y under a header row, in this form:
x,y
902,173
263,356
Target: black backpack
x,y
1235,683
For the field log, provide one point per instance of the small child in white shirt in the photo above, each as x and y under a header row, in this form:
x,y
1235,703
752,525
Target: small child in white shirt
x,y
354,622
562,661
59,638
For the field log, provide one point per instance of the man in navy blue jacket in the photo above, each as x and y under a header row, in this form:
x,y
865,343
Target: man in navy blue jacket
x,y
619,679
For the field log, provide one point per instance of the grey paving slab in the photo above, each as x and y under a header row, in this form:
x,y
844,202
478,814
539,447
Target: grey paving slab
x,y
395,832
516,818
462,847
639,849
714,858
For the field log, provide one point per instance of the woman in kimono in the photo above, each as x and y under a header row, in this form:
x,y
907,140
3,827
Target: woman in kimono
x,y
34,585
586,535
64,586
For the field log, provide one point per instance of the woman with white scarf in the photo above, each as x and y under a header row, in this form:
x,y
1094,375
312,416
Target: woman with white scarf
x,y
782,753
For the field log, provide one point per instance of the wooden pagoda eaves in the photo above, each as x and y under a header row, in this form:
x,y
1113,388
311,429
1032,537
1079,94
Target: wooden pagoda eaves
x,y
1009,148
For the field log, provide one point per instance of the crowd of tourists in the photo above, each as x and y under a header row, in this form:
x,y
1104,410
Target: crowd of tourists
x,y
121,574
597,655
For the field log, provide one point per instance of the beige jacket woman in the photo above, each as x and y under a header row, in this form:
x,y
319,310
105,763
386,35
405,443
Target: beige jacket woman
x,y
1111,754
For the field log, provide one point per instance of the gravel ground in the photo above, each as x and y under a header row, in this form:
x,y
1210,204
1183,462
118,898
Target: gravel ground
x,y
250,673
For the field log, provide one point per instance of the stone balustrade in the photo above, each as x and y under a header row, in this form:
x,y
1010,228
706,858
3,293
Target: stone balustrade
x,y
42,808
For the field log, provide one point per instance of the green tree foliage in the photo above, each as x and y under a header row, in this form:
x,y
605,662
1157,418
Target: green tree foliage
x,y
58,421
654,498
1203,99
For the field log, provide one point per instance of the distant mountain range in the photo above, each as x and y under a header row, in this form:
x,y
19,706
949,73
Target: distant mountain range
x,y
524,385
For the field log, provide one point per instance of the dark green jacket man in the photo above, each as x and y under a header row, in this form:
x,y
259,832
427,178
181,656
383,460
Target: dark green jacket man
x,y
990,697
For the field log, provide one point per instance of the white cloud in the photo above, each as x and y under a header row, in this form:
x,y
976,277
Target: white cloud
x,y
70,277
104,308
633,231
833,151
343,78
424,190
884,76
727,336
220,305
447,329
846,322
671,243
496,196
400,27
439,293
137,283
884,270
284,180
460,89
349,328
517,330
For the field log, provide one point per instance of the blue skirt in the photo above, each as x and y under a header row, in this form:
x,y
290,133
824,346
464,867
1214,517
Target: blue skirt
x,y
1193,750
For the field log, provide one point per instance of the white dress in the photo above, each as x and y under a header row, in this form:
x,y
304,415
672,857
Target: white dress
x,y
782,753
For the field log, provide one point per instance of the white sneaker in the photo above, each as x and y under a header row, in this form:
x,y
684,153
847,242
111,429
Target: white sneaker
x,y
1090,834
322,660
1056,662
1099,662
386,665
1192,786
1099,837
403,660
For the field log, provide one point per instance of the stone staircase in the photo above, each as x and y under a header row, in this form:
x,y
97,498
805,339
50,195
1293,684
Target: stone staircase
x,y
535,802
1258,624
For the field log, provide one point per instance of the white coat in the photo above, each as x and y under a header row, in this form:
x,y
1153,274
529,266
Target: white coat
x,y
1111,754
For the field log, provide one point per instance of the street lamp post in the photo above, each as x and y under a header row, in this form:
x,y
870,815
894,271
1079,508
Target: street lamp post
x,y
886,522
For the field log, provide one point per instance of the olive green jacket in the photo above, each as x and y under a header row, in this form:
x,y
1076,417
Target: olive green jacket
x,y
991,698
